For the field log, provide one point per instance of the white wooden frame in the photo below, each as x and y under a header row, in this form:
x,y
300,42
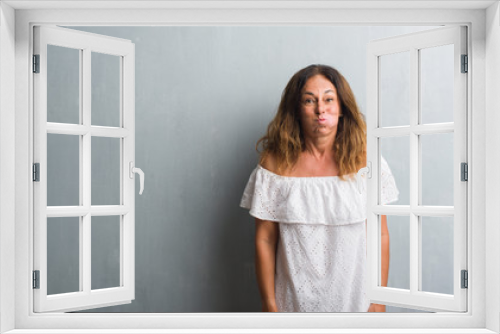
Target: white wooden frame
x,y
86,43
485,315
413,43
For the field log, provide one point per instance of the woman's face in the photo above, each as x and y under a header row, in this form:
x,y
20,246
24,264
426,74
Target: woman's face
x,y
319,107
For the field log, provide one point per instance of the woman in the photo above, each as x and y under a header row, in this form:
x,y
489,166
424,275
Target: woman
x,y
310,216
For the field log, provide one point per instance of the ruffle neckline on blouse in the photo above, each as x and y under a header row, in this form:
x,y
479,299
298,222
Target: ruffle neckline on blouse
x,y
323,200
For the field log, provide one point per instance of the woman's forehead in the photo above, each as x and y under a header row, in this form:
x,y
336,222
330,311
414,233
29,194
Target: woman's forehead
x,y
318,83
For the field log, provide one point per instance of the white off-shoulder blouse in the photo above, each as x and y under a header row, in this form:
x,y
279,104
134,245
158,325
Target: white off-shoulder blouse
x,y
321,252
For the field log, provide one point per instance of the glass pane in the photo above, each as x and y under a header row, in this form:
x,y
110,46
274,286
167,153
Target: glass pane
x,y
105,252
394,93
63,255
63,84
437,254
436,84
396,152
105,171
63,170
398,252
437,169
105,89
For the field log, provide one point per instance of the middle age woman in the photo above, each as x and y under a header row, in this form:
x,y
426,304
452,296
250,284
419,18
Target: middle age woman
x,y
310,216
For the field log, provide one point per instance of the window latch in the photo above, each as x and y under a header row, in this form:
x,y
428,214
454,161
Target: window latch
x,y
132,171
364,171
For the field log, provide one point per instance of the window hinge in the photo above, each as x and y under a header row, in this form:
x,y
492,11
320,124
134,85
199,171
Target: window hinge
x,y
464,172
465,64
36,279
465,279
36,63
36,172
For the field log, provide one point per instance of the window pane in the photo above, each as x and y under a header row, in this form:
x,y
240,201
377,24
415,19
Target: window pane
x,y
398,228
437,169
106,171
63,84
63,170
437,254
396,151
105,252
394,74
436,84
63,255
105,89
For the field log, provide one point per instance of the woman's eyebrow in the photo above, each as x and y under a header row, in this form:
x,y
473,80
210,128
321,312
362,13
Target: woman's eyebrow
x,y
326,91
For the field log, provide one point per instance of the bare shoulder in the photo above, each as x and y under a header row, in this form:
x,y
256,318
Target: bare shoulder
x,y
269,163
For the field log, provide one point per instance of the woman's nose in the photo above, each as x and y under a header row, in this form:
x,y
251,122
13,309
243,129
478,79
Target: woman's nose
x,y
320,107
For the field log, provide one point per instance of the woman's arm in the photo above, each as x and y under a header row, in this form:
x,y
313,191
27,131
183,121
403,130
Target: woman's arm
x,y
385,261
385,250
266,239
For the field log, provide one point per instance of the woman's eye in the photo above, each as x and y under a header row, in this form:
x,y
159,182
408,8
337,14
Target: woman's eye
x,y
329,100
308,101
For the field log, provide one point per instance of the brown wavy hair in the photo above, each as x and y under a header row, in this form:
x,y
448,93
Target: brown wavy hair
x,y
284,139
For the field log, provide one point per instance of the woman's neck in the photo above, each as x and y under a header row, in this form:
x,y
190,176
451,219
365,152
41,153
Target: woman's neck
x,y
319,148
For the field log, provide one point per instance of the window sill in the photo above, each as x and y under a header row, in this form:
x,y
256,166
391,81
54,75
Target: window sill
x,y
257,331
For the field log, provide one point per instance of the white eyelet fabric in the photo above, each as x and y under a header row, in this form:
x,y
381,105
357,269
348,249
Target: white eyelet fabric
x,y
321,253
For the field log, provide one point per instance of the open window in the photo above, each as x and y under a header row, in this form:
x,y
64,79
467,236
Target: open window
x,y
17,211
426,145
86,139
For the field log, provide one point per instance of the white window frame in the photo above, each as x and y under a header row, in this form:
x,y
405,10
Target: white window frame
x,y
412,44
124,51
484,267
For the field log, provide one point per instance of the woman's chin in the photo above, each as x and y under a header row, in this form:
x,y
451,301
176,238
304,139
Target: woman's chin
x,y
323,130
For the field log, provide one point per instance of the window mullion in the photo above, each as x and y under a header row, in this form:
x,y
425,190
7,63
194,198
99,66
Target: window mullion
x,y
86,165
81,182
122,180
414,171
86,255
